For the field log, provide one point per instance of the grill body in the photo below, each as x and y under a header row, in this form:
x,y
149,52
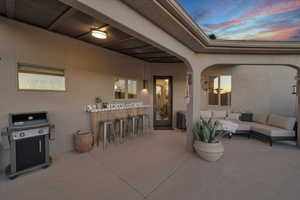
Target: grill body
x,y
28,135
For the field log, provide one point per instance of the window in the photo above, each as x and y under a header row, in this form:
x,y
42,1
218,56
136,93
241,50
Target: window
x,y
132,89
219,92
125,89
40,78
120,89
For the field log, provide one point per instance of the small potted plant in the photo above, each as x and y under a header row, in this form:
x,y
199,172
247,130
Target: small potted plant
x,y
207,142
98,101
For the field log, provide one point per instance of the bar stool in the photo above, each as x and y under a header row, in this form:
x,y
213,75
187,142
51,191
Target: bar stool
x,y
140,126
132,121
120,125
107,128
146,120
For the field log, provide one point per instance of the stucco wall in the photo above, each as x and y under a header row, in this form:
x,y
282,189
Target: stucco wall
x,y
90,72
178,73
261,89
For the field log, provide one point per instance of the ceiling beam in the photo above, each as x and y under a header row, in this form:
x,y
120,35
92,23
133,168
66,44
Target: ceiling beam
x,y
165,57
145,53
69,12
87,33
116,42
137,47
10,8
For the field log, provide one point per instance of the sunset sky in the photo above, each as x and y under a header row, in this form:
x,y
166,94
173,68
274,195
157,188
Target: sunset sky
x,y
271,20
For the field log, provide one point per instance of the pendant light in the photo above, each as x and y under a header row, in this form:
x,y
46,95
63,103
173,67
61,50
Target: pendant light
x,y
145,82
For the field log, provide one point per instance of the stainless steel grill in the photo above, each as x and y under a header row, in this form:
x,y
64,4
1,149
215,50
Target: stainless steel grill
x,y
28,135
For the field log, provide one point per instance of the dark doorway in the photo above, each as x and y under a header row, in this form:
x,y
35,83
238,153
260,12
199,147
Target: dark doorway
x,y
163,104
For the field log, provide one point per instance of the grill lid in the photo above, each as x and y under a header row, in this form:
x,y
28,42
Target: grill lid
x,y
28,119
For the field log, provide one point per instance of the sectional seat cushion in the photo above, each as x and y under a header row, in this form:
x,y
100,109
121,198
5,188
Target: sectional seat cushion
x,y
219,114
260,118
272,131
233,116
287,123
243,126
205,114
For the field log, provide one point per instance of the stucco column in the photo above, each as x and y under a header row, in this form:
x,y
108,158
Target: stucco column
x,y
298,107
193,108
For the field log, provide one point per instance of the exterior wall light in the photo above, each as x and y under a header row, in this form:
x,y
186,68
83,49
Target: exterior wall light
x,y
145,87
99,34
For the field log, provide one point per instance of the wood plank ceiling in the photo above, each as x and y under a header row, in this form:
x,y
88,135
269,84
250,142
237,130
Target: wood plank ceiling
x,y
60,18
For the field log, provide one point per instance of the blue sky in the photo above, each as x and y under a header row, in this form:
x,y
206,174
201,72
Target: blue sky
x,y
272,20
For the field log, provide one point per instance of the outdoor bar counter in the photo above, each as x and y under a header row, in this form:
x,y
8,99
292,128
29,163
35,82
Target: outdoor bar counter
x,y
98,115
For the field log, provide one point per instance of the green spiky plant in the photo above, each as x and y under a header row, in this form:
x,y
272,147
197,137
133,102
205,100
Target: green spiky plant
x,y
206,131
98,100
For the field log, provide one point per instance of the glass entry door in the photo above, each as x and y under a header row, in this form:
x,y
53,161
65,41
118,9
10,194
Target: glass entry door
x,y
162,98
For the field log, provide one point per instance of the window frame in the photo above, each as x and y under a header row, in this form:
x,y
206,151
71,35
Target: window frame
x,y
42,68
126,89
113,88
219,91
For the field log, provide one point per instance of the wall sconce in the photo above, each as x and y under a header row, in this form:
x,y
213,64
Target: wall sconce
x,y
145,87
189,82
145,84
294,89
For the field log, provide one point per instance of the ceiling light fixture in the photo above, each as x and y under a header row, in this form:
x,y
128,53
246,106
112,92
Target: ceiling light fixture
x,y
99,34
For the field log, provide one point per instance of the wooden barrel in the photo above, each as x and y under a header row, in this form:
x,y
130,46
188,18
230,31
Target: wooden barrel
x,y
83,141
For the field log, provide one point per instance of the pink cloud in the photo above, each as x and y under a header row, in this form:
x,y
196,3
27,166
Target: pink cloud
x,y
226,24
275,34
270,7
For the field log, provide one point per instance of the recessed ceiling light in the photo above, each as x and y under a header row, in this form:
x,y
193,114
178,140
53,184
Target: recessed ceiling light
x,y
99,34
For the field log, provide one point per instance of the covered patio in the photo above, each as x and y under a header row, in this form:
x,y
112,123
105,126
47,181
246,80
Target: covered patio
x,y
115,62
157,167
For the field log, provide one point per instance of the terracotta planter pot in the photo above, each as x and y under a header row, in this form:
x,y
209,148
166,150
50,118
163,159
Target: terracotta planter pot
x,y
209,151
83,142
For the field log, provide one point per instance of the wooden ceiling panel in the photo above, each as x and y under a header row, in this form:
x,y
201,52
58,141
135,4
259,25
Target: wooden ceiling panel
x,y
2,7
76,23
39,12
164,60
150,55
127,44
140,49
60,18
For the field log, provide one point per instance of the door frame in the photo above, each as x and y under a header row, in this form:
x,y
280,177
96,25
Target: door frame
x,y
155,77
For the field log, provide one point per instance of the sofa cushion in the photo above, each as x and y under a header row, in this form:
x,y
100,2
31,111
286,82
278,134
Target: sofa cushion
x,y
282,122
205,114
272,131
260,118
219,114
233,116
243,126
247,117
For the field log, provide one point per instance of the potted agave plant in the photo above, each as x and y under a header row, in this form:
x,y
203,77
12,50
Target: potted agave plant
x,y
207,142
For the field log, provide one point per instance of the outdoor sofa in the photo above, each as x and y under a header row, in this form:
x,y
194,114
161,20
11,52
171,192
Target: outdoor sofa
x,y
269,126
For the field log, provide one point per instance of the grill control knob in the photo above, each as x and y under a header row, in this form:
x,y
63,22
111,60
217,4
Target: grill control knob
x,y
22,134
41,131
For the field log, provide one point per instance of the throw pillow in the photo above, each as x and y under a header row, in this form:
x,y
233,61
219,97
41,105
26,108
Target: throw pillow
x,y
246,117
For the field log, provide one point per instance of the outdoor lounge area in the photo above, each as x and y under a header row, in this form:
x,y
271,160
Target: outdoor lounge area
x,y
127,99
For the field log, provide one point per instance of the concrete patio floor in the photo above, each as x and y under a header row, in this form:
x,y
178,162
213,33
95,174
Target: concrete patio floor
x,y
157,167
